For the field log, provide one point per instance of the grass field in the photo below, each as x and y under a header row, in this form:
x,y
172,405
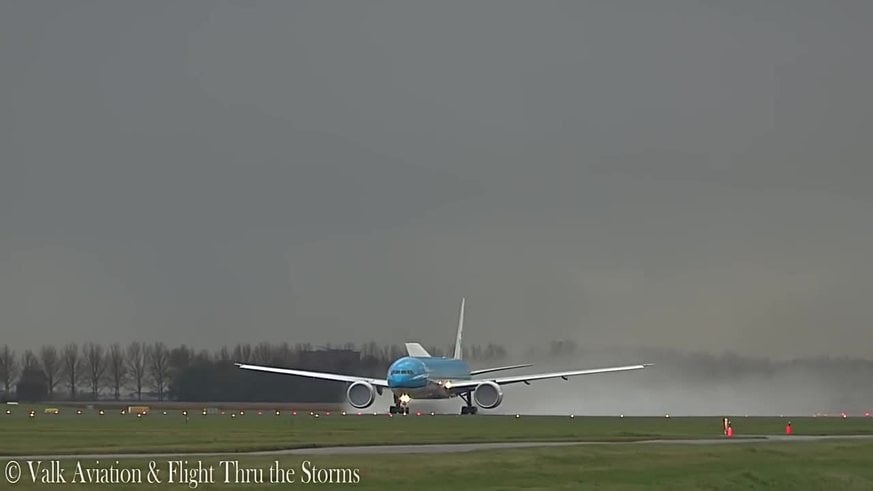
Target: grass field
x,y
799,465
820,465
89,432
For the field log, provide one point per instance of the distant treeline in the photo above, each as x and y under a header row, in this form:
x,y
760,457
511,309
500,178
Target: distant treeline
x,y
139,371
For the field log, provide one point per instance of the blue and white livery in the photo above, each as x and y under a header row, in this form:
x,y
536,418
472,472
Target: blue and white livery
x,y
422,376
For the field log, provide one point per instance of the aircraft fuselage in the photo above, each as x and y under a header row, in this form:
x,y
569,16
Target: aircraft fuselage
x,y
425,377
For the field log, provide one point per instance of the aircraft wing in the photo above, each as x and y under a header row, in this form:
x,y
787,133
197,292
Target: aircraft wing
x,y
498,369
469,384
318,375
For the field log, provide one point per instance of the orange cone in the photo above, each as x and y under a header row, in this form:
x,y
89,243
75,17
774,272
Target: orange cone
x,y
788,429
730,432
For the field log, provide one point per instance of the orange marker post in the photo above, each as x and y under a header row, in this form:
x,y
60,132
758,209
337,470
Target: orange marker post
x,y
730,431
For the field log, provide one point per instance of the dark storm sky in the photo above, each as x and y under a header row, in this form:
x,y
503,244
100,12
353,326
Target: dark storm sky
x,y
687,174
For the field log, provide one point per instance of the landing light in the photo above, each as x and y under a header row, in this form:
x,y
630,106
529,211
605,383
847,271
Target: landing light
x,y
184,413
667,415
517,416
572,416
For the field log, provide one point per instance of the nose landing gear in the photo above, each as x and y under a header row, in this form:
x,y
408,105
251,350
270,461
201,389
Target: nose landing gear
x,y
401,405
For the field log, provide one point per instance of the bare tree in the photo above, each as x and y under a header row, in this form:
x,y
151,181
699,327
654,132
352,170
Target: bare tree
x,y
95,364
8,367
136,366
117,368
29,361
262,354
158,357
72,367
51,366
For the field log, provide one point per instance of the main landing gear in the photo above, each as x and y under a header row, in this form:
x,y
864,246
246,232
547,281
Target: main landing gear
x,y
399,407
469,408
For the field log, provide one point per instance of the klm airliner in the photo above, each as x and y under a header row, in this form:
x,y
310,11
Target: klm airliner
x,y
422,376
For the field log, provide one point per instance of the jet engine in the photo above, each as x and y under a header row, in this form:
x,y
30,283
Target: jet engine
x,y
488,395
361,394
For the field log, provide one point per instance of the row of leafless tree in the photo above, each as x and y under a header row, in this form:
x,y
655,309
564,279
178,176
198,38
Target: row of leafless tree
x,y
92,366
93,370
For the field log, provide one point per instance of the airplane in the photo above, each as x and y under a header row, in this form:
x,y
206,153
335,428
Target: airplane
x,y
422,376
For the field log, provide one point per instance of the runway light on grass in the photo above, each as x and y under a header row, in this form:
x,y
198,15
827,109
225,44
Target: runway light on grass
x,y
867,414
432,413
232,415
667,415
101,412
517,416
327,413
278,413
418,413
139,415
293,413
242,413
164,413
184,413
203,412
844,416
572,416
32,414
8,412
344,413
78,412
260,413
621,415
316,415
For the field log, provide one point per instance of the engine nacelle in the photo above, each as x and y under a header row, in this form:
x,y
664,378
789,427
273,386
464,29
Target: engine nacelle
x,y
488,395
361,394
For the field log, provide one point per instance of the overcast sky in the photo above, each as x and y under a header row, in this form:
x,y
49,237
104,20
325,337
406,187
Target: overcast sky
x,y
687,174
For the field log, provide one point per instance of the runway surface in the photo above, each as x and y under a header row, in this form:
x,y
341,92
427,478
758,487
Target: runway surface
x,y
444,448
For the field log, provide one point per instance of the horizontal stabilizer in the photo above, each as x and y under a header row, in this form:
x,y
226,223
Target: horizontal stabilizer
x,y
416,350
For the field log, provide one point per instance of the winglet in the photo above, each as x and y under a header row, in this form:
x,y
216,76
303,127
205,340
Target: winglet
x,y
459,353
